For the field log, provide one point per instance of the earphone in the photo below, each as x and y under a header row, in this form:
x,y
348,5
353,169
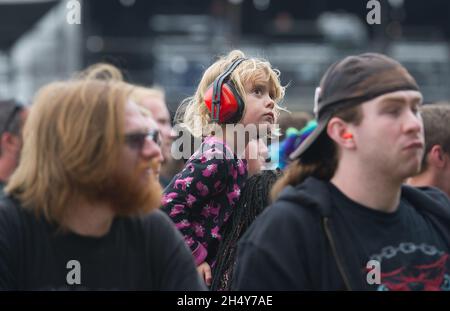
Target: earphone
x,y
223,99
347,135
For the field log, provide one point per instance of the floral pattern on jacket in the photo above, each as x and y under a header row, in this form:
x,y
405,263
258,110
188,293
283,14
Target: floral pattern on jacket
x,y
201,198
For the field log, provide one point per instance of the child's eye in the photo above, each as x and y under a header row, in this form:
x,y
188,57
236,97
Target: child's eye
x,y
258,91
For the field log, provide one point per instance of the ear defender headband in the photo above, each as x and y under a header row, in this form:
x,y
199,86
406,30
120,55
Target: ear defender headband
x,y
223,99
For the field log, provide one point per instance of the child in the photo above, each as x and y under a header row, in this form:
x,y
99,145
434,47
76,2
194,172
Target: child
x,y
201,198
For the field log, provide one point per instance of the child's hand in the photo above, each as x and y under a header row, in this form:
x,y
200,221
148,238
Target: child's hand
x,y
205,272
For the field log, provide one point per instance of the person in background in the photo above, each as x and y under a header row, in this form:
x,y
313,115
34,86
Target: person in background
x,y
153,99
435,171
256,155
293,139
12,118
287,120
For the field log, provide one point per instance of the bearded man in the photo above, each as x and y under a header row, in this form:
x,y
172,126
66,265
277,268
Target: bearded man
x,y
81,210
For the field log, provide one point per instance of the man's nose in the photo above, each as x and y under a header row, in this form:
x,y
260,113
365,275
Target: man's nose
x,y
413,122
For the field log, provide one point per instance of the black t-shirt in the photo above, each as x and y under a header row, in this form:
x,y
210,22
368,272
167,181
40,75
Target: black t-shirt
x,y
138,253
410,253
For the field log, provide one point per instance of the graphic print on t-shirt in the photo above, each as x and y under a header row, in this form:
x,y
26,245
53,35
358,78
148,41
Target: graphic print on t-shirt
x,y
427,268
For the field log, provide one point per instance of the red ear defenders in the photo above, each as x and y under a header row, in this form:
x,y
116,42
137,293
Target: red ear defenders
x,y
223,99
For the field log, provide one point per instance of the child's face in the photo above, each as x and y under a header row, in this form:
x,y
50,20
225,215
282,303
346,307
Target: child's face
x,y
259,104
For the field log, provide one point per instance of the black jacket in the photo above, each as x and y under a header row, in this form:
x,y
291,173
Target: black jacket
x,y
2,193
293,245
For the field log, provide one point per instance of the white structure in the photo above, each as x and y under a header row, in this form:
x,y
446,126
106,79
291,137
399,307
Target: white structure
x,y
48,52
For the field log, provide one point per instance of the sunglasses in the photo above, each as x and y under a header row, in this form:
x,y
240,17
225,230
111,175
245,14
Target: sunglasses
x,y
137,140
17,109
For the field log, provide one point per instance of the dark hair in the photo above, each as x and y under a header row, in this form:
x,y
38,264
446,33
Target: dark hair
x,y
9,116
253,200
10,120
322,160
435,122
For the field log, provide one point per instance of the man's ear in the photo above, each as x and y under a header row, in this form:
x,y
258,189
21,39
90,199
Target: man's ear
x,y
436,157
340,132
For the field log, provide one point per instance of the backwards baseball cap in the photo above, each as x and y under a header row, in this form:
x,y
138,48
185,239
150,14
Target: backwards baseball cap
x,y
350,82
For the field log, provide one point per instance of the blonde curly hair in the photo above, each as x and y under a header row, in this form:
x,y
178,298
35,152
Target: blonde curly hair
x,y
193,113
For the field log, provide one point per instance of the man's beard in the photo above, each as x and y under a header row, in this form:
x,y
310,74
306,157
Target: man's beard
x,y
128,194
